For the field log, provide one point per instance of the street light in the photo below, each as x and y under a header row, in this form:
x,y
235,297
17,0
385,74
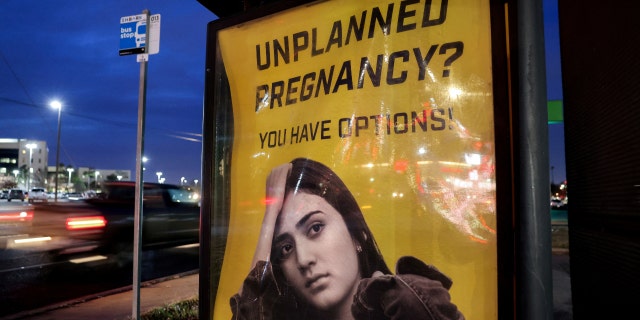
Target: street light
x,y
30,146
69,170
57,105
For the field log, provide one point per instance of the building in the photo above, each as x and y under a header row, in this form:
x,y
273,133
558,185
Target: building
x,y
81,179
24,161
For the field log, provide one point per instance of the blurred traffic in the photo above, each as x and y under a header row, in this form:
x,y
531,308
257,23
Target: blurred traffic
x,y
101,222
50,244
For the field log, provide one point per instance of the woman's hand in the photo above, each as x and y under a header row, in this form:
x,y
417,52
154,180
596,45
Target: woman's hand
x,y
274,198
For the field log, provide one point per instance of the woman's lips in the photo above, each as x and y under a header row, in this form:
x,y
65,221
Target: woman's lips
x,y
314,280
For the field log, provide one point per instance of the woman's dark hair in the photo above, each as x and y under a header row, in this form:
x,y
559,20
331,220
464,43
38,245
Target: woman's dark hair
x,y
315,178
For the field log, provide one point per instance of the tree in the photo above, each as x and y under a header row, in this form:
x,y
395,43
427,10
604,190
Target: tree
x,y
8,184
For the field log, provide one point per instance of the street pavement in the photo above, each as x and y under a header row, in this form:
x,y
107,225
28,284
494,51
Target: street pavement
x,y
562,302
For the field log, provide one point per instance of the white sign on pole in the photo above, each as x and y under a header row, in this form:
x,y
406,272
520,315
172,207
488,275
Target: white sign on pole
x,y
154,34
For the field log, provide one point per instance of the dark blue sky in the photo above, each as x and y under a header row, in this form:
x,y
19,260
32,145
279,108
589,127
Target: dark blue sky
x,y
68,50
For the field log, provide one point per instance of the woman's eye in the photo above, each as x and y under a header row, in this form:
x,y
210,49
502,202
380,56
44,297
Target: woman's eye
x,y
315,228
285,250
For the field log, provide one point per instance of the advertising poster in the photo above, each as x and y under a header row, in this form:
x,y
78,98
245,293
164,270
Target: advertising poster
x,y
395,100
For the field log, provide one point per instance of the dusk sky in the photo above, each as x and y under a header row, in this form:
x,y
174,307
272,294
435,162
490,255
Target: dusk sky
x,y
68,50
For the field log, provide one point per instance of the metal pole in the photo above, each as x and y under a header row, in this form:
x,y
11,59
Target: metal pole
x,y
534,283
137,224
29,169
55,197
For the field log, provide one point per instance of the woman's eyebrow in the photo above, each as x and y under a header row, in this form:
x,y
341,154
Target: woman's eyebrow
x,y
306,217
299,225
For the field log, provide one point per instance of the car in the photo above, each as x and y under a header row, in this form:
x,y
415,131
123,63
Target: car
x,y
105,224
4,194
75,196
37,195
16,194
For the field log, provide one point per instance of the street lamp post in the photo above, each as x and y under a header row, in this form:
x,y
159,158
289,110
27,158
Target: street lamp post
x,y
30,146
69,170
57,105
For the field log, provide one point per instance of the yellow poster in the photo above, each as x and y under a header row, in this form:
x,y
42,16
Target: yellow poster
x,y
391,104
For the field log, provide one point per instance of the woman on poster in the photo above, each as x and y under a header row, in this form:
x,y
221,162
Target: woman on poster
x,y
317,259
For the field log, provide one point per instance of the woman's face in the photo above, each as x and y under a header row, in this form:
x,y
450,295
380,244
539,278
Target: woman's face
x,y
316,252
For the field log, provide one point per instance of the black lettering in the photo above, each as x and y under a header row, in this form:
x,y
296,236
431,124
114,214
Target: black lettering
x,y
336,35
313,131
267,54
283,52
324,82
294,134
403,14
373,75
344,78
314,42
292,89
400,127
378,123
376,17
274,138
426,17
297,46
360,126
404,54
304,134
277,90
357,30
341,129
282,137
421,122
262,139
307,90
325,130
261,95
438,120
424,62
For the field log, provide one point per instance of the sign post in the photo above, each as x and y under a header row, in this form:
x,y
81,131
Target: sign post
x,y
133,40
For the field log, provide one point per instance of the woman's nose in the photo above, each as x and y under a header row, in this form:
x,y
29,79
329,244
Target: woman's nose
x,y
305,257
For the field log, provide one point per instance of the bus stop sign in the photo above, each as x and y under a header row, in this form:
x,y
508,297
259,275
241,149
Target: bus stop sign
x,y
133,33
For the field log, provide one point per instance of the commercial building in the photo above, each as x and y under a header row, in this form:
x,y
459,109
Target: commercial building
x,y
24,161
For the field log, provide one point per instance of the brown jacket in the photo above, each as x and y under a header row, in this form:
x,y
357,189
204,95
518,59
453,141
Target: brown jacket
x,y
417,291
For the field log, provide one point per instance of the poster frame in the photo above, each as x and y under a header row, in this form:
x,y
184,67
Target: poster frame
x,y
217,141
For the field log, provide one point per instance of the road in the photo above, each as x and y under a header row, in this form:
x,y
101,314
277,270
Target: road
x,y
32,278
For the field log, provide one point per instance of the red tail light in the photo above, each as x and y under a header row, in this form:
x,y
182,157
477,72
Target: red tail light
x,y
81,223
17,216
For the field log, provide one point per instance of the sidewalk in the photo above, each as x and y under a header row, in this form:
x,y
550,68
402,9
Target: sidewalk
x,y
117,305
